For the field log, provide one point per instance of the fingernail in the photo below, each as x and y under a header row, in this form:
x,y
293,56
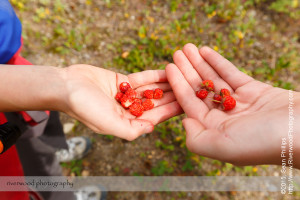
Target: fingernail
x,y
149,129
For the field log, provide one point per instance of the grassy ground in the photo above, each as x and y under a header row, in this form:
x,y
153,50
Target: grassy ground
x,y
261,37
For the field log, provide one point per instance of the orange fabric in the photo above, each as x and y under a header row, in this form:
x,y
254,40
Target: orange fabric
x,y
2,121
1,147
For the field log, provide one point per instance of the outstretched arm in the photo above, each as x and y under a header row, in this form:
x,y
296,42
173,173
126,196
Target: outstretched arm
x,y
87,94
252,132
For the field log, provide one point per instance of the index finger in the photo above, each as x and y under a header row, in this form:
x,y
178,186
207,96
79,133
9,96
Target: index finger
x,y
234,77
147,77
185,94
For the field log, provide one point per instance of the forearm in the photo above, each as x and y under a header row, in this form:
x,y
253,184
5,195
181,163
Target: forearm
x,y
31,88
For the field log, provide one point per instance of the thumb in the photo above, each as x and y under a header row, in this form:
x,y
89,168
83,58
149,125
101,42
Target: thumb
x,y
138,128
122,127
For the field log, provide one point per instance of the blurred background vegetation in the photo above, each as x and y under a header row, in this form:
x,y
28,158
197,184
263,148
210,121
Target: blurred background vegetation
x,y
261,37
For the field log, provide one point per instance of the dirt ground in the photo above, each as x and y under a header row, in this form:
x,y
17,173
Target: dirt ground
x,y
265,43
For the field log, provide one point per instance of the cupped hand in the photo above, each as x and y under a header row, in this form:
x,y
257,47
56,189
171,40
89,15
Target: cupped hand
x,y
252,132
90,93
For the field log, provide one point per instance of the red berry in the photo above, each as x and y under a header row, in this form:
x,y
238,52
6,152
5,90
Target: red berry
x,y
136,100
148,104
130,93
136,109
124,86
224,92
126,102
118,96
202,93
148,94
158,93
228,103
217,98
208,84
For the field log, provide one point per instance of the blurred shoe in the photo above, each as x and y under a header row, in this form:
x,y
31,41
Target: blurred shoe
x,y
78,148
92,192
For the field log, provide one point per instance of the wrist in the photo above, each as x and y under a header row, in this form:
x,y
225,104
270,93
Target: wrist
x,y
71,79
58,94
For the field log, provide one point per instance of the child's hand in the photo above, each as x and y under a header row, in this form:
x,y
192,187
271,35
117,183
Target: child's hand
x,y
90,98
251,133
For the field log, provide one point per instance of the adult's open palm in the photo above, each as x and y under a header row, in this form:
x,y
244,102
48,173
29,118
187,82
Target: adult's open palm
x,y
250,133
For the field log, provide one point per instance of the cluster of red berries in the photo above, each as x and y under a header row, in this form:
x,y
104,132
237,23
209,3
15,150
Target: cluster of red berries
x,y
226,101
128,99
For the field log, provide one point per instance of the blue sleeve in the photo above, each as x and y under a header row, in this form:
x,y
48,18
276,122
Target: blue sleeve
x,y
10,32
